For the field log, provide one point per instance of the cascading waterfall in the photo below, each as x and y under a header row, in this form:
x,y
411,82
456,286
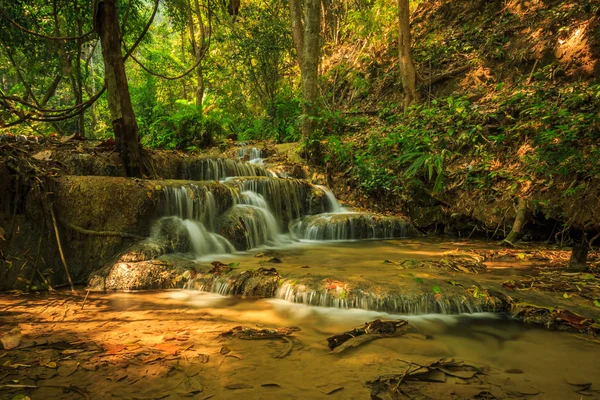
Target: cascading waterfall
x,y
252,209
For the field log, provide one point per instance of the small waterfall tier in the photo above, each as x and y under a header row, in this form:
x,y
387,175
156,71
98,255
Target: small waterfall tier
x,y
252,155
218,169
349,226
288,199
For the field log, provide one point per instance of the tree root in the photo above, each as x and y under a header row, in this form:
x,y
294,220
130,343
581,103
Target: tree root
x,y
101,233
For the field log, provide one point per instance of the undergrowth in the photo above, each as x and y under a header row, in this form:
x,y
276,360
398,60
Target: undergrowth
x,y
520,133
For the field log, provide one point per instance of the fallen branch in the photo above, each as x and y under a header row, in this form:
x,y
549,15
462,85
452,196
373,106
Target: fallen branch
x,y
377,329
60,250
101,233
288,349
65,388
257,334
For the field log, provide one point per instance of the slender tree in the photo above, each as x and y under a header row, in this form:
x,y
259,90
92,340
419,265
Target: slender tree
x,y
307,42
408,73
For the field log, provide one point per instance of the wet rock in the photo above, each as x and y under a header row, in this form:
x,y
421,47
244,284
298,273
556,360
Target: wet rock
x,y
244,227
142,275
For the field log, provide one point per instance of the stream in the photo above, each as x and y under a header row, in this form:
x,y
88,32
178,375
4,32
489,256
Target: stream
x,y
328,269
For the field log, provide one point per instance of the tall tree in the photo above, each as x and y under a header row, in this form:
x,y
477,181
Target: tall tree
x,y
308,47
198,47
408,73
127,141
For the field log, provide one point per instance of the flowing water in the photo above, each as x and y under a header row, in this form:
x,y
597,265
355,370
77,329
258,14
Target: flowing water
x,y
537,360
249,212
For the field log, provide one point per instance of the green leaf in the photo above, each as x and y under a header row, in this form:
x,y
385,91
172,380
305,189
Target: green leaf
x,y
418,280
566,296
436,289
588,277
597,303
234,265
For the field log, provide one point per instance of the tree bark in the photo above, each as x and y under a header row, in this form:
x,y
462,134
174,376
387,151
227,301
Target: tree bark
x,y
127,142
408,73
310,65
199,55
297,29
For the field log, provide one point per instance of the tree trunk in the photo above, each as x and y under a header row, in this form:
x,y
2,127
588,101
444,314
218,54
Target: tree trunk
x,y
520,220
297,29
578,260
310,63
199,55
408,73
134,158
78,78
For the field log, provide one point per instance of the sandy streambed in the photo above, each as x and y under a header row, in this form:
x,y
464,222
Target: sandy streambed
x,y
166,344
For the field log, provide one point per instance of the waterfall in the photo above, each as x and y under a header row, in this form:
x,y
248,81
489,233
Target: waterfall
x,y
333,204
218,169
255,156
349,226
286,198
189,236
193,202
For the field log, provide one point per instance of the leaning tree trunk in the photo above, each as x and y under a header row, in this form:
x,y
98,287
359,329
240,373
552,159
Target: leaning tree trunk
x,y
310,65
134,158
408,73
520,220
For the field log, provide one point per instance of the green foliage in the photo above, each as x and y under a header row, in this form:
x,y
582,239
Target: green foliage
x,y
187,129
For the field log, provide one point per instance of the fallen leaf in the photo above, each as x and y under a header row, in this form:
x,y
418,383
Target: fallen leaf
x,y
270,385
168,348
67,368
11,339
114,348
44,155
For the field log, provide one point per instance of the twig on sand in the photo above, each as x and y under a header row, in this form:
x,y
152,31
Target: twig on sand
x,y
288,349
86,296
